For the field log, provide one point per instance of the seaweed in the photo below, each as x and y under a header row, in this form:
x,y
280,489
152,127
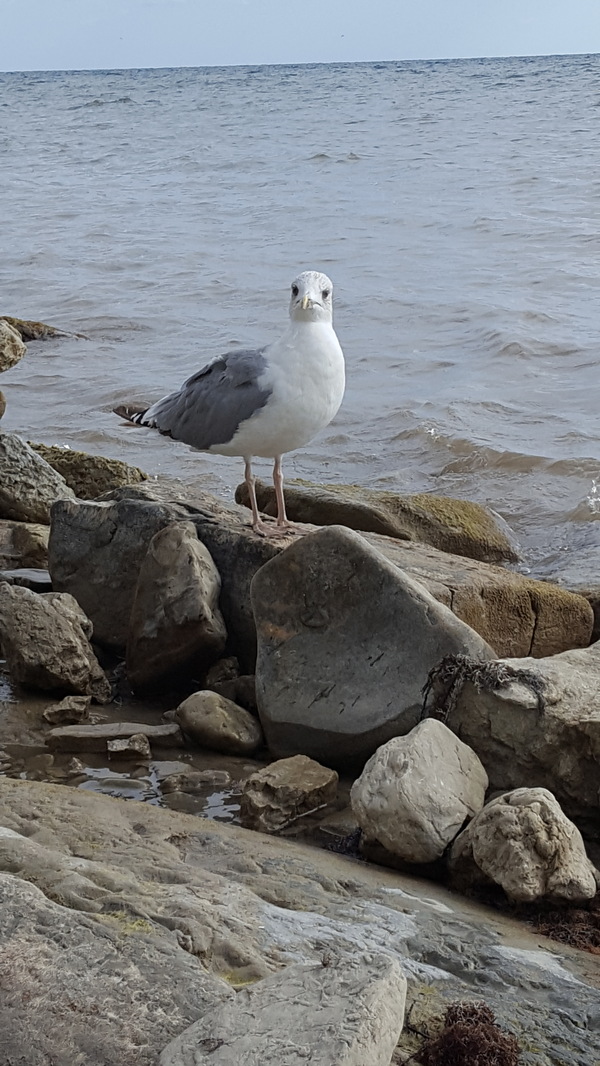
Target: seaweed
x,y
451,673
470,1037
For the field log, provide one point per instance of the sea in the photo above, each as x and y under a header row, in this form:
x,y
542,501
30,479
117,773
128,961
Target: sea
x,y
455,204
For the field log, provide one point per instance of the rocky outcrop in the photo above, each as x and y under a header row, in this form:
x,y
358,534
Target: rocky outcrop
x,y
539,729
97,549
28,485
345,645
12,348
89,476
416,792
176,626
45,639
456,526
349,1011
214,722
285,791
523,842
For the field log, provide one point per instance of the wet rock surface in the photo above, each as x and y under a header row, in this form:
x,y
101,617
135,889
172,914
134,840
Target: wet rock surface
x,y
221,907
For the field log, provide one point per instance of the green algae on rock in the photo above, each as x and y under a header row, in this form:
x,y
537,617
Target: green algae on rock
x,y
457,526
89,475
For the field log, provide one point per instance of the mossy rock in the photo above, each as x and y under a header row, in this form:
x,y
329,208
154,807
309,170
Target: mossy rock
x,y
457,526
89,475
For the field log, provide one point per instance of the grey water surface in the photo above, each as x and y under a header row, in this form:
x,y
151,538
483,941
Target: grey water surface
x,y
455,204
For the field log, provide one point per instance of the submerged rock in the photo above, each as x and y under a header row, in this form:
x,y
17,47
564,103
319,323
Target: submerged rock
x,y
214,722
286,790
45,639
28,485
457,526
35,331
89,475
12,348
523,842
346,642
176,627
416,792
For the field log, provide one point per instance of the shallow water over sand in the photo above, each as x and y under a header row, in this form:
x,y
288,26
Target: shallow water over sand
x,y
455,205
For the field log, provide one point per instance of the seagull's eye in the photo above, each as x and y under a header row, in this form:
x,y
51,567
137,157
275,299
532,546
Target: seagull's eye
x,y
326,293
294,290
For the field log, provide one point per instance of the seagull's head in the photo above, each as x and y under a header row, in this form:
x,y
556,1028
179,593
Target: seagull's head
x,y
312,297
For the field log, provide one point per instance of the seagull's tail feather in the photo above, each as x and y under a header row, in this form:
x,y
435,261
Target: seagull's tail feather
x,y
131,412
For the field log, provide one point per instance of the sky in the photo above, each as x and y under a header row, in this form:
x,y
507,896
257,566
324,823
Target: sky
x,y
108,34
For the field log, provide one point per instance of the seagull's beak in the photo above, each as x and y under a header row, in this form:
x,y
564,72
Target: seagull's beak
x,y
306,302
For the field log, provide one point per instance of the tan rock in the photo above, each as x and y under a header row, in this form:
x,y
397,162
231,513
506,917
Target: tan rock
x,y
89,475
35,331
285,791
523,842
69,711
215,722
523,741
2,404
28,485
137,746
416,792
12,348
456,526
176,625
45,639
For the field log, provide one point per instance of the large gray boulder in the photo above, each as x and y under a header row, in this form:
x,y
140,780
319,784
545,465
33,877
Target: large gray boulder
x,y
28,485
45,639
176,625
416,792
345,644
349,1011
524,842
528,738
12,348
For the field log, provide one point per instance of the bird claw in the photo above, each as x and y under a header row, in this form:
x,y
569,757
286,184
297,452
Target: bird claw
x,y
262,529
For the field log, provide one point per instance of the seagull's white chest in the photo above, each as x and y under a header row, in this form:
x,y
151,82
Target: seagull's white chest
x,y
305,371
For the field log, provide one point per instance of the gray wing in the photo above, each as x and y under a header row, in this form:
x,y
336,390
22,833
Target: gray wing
x,y
211,405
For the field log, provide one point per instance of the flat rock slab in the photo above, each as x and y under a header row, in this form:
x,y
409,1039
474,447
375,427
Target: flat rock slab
x,y
95,737
200,901
346,642
347,1010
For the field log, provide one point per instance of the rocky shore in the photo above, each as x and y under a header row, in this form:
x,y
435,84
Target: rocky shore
x,y
387,686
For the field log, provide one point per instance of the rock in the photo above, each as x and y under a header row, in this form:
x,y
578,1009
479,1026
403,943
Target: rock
x,y
223,670
28,485
346,641
195,781
133,747
349,1010
416,792
89,475
12,348
28,578
23,545
456,526
36,331
286,790
69,711
176,626
45,639
159,908
592,594
522,744
523,842
96,737
96,553
2,404
241,690
216,723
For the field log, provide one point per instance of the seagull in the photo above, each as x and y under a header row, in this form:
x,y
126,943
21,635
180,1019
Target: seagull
x,y
265,401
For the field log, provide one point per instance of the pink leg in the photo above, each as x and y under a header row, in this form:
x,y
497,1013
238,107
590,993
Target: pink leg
x,y
264,529
278,483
